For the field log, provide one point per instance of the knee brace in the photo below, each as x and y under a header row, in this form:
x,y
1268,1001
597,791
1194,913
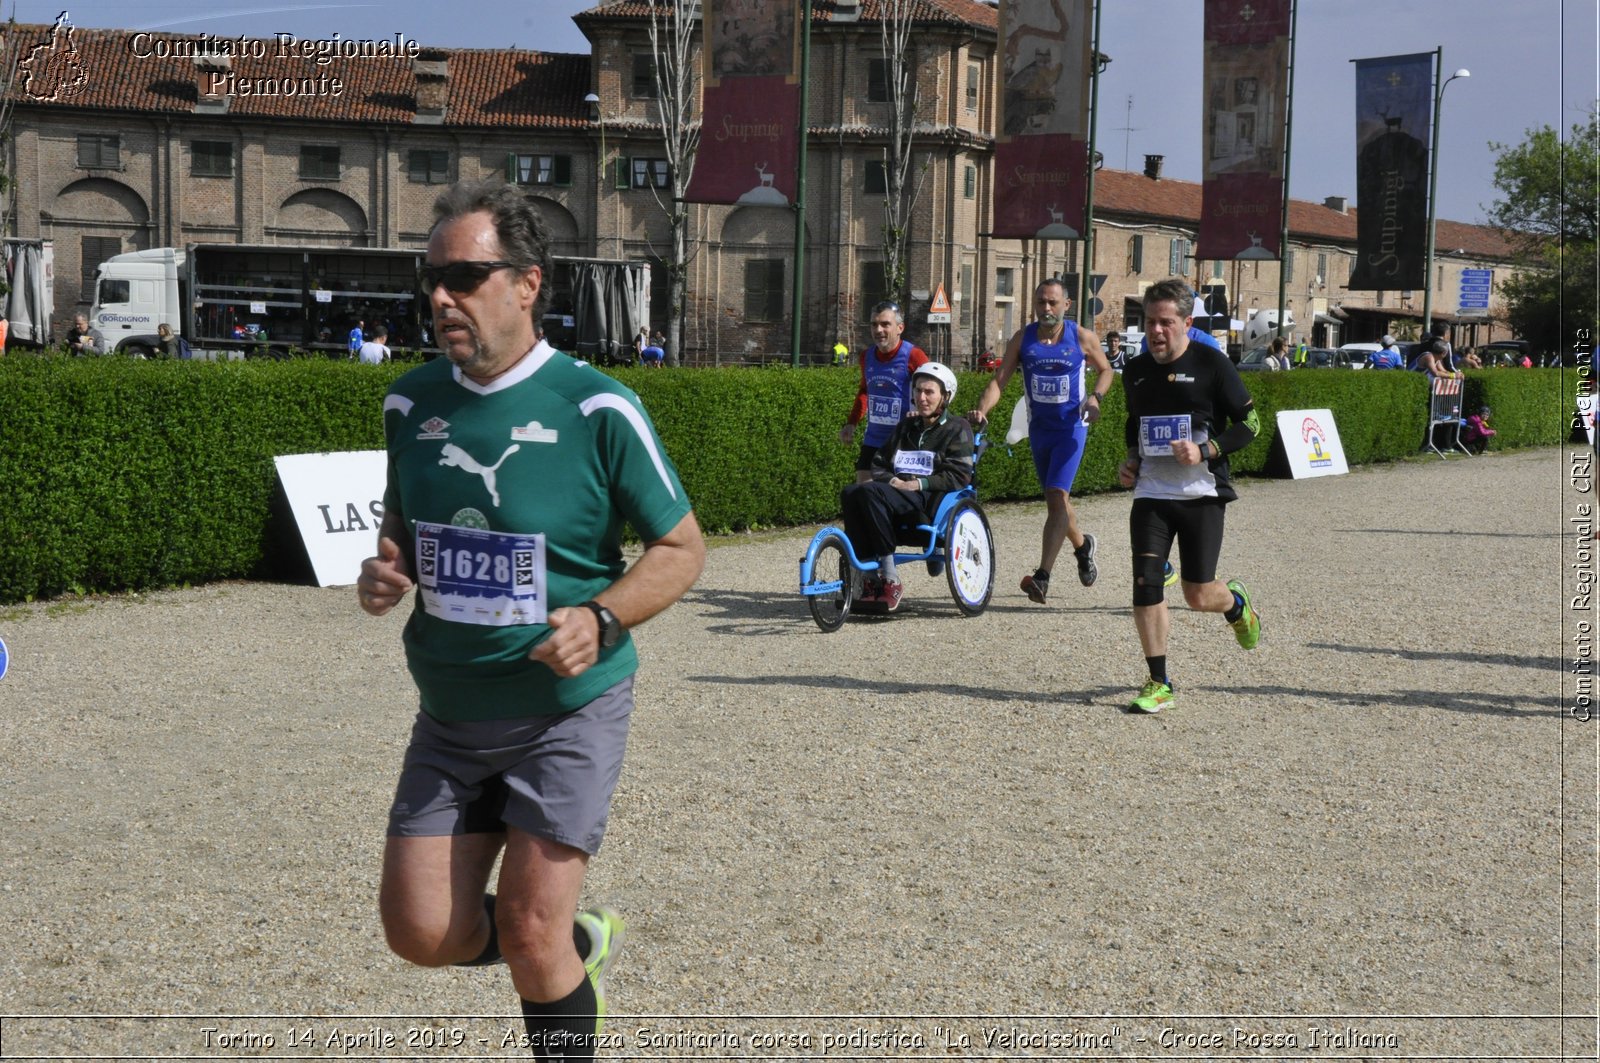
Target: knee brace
x,y
1147,579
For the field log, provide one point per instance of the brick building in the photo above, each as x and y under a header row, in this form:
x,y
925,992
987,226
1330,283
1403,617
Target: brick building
x,y
125,140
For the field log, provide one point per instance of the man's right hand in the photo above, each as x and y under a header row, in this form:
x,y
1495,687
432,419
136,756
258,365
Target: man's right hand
x,y
1128,472
384,579
847,434
976,419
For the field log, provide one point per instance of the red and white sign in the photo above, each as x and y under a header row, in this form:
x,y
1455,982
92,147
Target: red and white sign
x,y
1311,442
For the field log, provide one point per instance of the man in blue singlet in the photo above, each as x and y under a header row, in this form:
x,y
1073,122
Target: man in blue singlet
x,y
885,394
1053,353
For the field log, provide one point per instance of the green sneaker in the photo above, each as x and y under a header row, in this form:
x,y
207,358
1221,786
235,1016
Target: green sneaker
x,y
1155,696
1169,575
1247,629
603,929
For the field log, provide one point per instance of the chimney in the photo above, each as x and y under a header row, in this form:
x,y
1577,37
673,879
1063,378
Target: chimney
x,y
1338,203
1152,166
431,68
211,74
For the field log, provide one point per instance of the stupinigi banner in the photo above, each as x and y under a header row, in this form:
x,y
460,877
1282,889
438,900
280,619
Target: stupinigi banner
x,y
1394,109
749,151
1246,106
1041,176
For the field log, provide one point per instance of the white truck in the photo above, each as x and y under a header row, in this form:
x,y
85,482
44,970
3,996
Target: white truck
x,y
229,300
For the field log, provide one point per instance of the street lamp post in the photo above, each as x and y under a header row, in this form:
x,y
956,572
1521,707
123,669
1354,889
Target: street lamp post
x,y
1433,186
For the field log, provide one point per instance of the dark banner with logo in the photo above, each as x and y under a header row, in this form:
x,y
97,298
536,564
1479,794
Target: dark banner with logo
x,y
1041,176
749,152
1246,108
1394,109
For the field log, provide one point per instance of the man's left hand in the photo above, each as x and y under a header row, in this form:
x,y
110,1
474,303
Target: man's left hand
x,y
911,484
573,644
1187,453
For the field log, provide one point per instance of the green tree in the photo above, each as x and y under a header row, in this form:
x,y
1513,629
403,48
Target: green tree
x,y
1550,214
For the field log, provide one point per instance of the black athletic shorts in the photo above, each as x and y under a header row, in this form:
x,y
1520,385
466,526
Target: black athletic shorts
x,y
1195,522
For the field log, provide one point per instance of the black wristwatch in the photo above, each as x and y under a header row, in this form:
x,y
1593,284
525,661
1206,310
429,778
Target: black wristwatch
x,y
610,626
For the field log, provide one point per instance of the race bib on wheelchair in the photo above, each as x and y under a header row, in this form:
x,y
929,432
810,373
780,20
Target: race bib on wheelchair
x,y
476,576
1157,434
913,462
884,409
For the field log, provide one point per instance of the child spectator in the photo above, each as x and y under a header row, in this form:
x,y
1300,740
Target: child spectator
x,y
1477,433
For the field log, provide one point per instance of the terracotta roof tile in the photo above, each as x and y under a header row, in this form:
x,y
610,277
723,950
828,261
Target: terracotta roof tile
x,y
1124,192
497,87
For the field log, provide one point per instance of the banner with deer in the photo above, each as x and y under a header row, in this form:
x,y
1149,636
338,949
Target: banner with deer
x,y
1041,155
1394,112
749,151
1246,109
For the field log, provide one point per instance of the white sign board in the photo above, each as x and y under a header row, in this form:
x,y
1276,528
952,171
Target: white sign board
x,y
337,502
1311,440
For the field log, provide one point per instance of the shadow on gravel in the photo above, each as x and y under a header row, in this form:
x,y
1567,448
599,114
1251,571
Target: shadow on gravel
x,y
1448,533
1540,664
1101,695
1477,704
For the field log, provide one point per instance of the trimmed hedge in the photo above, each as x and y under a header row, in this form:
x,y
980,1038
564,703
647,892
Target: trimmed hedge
x,y
118,474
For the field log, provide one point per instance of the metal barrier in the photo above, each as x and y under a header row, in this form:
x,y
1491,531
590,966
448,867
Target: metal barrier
x,y
1444,411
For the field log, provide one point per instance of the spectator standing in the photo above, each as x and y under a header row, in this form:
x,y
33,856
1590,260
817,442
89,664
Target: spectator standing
x,y
374,351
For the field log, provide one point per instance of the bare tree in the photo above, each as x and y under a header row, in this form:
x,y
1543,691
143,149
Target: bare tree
x,y
672,39
899,196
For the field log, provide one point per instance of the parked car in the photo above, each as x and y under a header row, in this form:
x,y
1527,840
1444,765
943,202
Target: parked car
x,y
1358,353
1504,353
1254,360
1325,358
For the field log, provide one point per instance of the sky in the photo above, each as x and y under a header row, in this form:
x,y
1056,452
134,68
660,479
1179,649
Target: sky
x,y
1533,63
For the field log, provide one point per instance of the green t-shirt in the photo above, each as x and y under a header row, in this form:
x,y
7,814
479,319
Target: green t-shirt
x,y
551,448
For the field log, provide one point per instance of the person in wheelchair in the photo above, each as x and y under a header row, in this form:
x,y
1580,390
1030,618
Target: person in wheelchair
x,y
930,453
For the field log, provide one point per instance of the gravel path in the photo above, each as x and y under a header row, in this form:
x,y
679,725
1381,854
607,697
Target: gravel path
x,y
919,818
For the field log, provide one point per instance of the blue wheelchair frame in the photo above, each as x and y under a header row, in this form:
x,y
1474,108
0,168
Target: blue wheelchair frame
x,y
970,575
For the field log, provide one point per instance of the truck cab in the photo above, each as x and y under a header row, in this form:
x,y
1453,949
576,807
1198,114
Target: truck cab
x,y
133,294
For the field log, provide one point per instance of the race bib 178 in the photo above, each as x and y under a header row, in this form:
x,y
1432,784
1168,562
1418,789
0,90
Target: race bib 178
x,y
1157,434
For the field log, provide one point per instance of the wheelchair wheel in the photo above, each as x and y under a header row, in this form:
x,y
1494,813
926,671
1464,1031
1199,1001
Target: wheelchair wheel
x,y
831,609
969,557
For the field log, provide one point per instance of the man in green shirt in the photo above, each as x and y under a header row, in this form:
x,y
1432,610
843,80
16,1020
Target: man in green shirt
x,y
512,470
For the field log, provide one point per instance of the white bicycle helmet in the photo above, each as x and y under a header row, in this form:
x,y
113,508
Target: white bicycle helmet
x,y
942,374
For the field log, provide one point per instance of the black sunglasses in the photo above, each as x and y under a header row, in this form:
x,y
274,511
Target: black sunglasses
x,y
461,278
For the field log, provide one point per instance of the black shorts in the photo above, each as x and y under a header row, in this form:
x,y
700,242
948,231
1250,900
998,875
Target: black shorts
x,y
864,459
1195,522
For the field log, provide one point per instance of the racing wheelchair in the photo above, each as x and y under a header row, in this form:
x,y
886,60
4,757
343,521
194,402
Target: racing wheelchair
x,y
957,540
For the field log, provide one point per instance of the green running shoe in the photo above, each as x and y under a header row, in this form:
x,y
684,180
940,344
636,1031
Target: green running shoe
x,y
1169,575
1154,697
1247,629
603,929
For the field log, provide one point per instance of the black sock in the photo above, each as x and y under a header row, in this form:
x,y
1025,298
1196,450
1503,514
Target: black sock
x,y
491,948
1158,669
1237,611
565,1028
1041,576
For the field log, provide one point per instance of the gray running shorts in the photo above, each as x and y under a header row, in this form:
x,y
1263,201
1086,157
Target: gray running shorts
x,y
551,776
